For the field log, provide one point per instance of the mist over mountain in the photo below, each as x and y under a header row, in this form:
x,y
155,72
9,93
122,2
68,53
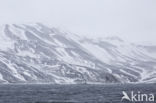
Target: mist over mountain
x,y
35,53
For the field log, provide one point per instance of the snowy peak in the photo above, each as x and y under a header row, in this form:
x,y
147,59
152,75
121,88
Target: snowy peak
x,y
37,53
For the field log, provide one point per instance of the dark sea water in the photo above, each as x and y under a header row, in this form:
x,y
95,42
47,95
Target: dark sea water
x,y
50,93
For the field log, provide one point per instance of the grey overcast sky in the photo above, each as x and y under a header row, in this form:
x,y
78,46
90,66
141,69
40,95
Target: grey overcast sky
x,y
133,20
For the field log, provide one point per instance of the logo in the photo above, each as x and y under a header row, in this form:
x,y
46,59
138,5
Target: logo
x,y
137,96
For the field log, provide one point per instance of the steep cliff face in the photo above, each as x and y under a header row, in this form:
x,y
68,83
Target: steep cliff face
x,y
35,53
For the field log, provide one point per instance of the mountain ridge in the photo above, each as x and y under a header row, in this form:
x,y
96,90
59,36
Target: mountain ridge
x,y
35,53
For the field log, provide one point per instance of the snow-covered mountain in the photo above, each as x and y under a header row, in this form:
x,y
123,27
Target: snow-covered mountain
x,y
35,53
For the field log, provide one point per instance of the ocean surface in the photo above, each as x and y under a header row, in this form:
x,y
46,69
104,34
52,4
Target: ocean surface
x,y
85,93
